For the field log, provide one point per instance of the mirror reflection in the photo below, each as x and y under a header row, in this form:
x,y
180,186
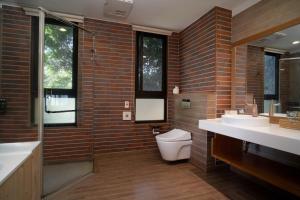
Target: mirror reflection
x,y
273,71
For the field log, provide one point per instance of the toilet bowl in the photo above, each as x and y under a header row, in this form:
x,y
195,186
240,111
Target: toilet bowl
x,y
174,145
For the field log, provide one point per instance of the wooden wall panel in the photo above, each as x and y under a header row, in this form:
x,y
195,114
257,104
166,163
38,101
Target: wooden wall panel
x,y
264,16
203,106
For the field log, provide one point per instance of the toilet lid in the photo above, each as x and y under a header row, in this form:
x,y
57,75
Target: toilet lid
x,y
174,135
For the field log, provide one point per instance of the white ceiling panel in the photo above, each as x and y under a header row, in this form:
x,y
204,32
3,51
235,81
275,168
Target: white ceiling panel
x,y
173,15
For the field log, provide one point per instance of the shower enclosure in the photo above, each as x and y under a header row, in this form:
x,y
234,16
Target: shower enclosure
x,y
289,76
34,93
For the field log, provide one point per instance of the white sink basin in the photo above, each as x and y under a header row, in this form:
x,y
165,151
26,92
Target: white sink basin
x,y
245,120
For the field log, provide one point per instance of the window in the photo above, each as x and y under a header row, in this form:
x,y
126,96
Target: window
x,y
60,72
151,78
271,76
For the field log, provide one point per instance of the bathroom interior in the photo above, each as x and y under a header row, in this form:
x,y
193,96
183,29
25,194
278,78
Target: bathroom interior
x,y
138,100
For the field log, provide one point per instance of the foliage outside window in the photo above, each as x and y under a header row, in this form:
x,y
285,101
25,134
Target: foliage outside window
x,y
58,65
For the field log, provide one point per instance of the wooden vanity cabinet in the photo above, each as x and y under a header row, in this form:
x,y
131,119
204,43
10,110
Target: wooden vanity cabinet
x,y
230,151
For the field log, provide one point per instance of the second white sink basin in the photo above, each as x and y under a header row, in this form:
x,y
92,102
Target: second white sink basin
x,y
245,120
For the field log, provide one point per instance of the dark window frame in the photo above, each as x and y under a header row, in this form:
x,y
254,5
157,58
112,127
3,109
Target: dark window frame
x,y
139,92
55,91
276,95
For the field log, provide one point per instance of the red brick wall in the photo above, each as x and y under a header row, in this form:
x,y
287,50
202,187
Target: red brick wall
x,y
103,88
223,59
15,75
63,143
240,77
198,55
255,75
201,64
205,56
205,66
114,83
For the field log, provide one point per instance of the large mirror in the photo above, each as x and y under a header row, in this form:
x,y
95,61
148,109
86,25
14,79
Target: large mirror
x,y
272,67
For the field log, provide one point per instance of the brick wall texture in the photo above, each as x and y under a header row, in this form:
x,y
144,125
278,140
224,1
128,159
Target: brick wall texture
x,y
255,75
205,66
240,77
199,59
205,56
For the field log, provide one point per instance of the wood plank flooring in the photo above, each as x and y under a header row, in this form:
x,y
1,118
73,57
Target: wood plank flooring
x,y
144,176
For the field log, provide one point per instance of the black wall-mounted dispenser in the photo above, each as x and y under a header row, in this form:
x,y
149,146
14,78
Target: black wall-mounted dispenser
x,y
3,105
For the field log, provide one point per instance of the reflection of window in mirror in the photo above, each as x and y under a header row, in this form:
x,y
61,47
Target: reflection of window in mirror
x,y
271,76
272,66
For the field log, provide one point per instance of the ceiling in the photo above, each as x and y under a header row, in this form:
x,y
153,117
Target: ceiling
x,y
173,15
282,40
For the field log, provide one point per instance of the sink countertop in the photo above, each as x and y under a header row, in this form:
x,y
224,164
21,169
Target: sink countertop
x,y
13,155
275,114
271,136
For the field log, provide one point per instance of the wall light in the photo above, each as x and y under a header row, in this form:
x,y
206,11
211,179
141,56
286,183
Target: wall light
x,y
296,42
62,29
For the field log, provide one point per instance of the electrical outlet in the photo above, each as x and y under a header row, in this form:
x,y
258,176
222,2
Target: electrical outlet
x,y
126,115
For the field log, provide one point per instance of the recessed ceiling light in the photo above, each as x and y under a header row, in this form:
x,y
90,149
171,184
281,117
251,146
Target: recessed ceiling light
x,y
296,42
62,29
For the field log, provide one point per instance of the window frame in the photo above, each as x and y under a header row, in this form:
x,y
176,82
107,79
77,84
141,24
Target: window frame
x,y
139,92
276,95
73,92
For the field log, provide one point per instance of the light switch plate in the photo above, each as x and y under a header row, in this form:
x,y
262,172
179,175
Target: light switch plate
x,y
126,115
126,105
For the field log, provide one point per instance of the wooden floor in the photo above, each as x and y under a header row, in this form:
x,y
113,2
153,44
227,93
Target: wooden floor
x,y
145,176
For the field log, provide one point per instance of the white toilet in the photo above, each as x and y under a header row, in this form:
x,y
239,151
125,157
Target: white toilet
x,y
174,145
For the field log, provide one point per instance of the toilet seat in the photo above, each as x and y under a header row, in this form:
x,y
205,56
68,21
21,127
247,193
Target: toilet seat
x,y
174,136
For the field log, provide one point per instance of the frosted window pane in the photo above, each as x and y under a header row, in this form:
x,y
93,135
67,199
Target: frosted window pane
x,y
58,104
149,109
